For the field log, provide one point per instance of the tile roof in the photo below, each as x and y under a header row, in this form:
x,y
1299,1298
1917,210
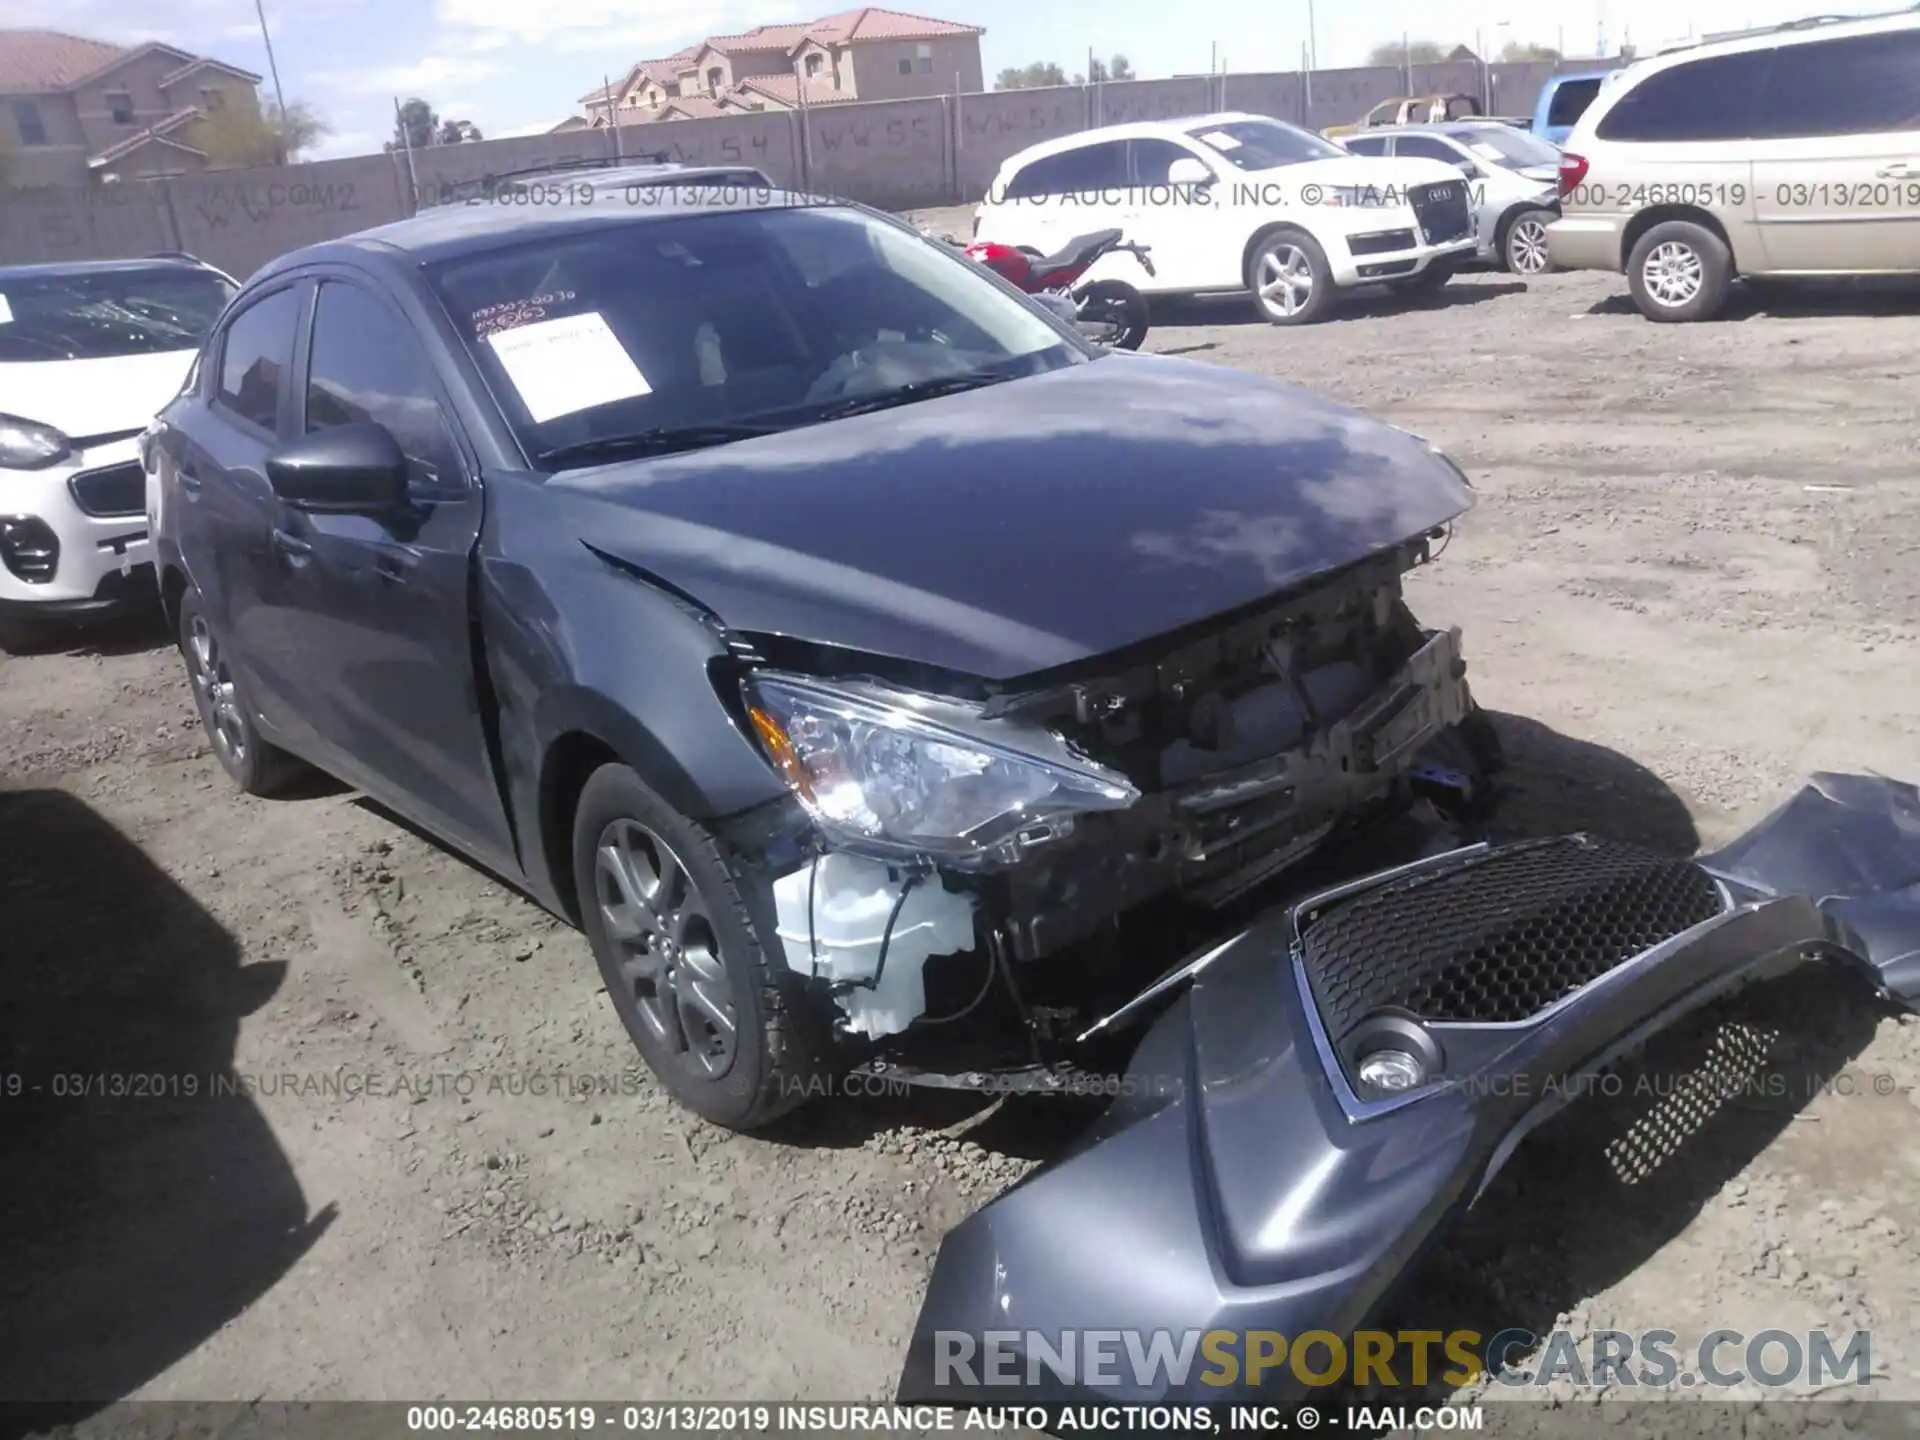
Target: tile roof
x,y
206,62
786,90
845,28
33,61
159,130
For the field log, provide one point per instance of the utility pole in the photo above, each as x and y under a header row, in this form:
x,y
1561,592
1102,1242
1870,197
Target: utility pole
x,y
1313,53
273,68
406,141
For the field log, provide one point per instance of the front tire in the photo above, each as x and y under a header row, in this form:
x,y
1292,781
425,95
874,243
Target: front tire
x,y
1679,272
1290,280
1523,243
717,1019
250,762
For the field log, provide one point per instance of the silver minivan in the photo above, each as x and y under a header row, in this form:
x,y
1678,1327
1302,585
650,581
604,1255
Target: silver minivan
x,y
1786,152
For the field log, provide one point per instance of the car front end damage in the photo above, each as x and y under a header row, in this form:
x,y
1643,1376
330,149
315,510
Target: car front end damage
x,y
1345,1076
1026,856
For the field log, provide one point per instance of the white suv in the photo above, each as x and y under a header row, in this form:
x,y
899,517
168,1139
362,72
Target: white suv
x,y
1237,201
1786,152
89,352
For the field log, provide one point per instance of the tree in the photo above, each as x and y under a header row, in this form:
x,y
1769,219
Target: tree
x,y
1104,70
415,127
1516,51
1412,52
457,132
239,135
1030,77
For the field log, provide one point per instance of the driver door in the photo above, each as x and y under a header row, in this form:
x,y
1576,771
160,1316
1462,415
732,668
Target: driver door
x,y
1192,248
378,607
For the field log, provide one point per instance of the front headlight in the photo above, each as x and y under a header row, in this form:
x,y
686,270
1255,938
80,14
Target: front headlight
x,y
29,445
890,772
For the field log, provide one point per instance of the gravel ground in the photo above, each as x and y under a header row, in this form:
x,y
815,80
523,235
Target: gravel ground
x,y
1691,580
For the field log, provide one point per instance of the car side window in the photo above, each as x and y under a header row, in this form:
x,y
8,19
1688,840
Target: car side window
x,y
1368,144
255,353
1078,171
1864,85
364,365
1570,101
1717,98
1427,148
1152,159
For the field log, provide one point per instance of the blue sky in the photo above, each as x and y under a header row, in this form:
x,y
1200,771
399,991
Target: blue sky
x,y
507,64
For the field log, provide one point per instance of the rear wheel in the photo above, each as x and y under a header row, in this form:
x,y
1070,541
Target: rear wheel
x,y
1523,248
1290,279
1113,313
717,1018
1679,271
250,762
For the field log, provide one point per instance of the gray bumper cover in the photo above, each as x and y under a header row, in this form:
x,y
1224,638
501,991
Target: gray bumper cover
x,y
1243,1181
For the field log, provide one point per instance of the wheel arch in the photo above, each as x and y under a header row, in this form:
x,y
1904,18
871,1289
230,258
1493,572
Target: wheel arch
x,y
1660,215
1504,225
1265,233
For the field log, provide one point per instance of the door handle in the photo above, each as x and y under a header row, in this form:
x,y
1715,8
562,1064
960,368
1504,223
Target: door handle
x,y
189,482
1900,170
393,569
292,547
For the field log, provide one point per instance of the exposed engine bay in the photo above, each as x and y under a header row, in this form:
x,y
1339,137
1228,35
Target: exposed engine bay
x,y
1193,773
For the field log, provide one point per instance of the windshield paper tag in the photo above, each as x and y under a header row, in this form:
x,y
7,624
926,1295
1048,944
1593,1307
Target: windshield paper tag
x,y
1221,140
573,363
6,311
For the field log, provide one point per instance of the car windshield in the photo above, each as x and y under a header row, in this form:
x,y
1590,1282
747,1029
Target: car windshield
x,y
680,331
98,314
1504,145
1265,144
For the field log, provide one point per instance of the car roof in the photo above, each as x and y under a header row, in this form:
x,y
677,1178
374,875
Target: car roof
x,y
1768,37
1554,81
447,232
55,268
1134,130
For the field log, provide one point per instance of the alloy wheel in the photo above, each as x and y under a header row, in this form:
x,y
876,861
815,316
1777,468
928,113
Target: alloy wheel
x,y
1673,273
667,953
219,697
1527,247
1284,280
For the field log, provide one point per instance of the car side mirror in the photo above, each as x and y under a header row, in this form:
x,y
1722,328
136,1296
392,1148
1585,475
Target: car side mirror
x,y
345,470
1189,171
1470,170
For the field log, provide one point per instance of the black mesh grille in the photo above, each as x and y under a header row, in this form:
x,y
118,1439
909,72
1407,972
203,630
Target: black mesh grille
x,y
1441,210
114,490
1501,936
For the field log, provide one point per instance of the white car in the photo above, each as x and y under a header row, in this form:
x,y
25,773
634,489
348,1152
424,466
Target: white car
x,y
1513,179
89,352
1237,201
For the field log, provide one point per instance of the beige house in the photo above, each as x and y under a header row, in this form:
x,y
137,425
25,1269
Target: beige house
x,y
865,54
71,108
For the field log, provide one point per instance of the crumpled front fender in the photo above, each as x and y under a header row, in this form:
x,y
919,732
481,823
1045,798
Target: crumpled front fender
x,y
1247,1180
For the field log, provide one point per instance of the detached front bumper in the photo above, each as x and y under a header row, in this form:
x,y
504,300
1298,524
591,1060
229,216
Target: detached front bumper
x,y
1249,1180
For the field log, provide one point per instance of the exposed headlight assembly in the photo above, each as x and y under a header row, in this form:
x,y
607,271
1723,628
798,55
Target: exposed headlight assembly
x,y
29,445
892,773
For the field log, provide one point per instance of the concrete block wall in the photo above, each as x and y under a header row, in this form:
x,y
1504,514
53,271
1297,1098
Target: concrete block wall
x,y
895,154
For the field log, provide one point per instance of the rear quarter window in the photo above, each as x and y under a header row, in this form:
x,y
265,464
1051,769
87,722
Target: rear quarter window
x,y
1715,98
1570,101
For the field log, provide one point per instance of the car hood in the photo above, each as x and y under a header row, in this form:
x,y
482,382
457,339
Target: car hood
x,y
1026,525
93,397
1381,172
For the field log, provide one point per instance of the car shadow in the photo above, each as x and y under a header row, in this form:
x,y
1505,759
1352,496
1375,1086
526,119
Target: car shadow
x,y
1360,303
129,634
1554,784
143,1196
1867,295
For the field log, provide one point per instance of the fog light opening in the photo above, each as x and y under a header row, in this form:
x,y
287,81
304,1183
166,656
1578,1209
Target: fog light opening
x,y
1392,1070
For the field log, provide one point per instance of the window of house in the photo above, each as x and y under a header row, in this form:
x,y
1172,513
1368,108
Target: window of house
x,y
213,101
26,118
120,107
713,79
923,55
814,62
906,65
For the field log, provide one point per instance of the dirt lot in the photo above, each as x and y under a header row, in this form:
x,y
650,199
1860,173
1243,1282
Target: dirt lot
x,y
1693,578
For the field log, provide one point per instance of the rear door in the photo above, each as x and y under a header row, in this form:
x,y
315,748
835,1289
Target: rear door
x,y
1837,167
226,508
1192,248
380,607
1064,195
